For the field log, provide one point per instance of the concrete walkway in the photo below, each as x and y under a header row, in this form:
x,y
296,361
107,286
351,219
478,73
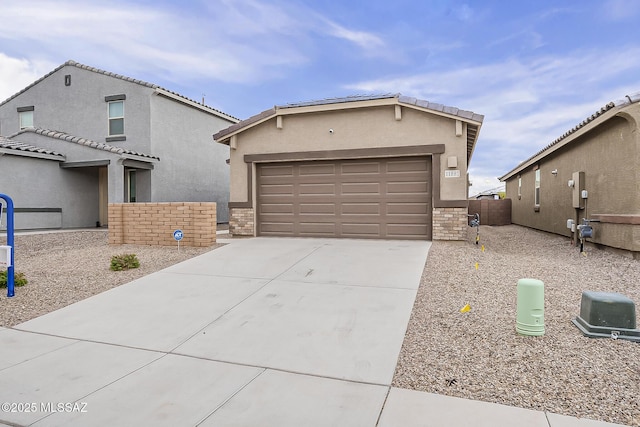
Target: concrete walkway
x,y
261,332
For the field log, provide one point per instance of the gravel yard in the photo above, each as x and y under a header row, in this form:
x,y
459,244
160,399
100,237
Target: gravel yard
x,y
63,268
475,355
478,354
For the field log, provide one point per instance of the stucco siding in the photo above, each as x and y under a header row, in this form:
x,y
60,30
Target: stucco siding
x,y
74,191
80,108
364,128
192,166
608,155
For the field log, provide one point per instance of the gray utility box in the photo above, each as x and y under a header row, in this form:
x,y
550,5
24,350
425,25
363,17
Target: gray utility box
x,y
607,315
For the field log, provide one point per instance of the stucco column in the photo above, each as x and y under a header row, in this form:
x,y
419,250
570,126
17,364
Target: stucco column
x,y
116,182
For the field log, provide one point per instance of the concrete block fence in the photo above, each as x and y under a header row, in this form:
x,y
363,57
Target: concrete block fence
x,y
154,223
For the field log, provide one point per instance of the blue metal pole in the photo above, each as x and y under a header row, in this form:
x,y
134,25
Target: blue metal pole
x,y
11,268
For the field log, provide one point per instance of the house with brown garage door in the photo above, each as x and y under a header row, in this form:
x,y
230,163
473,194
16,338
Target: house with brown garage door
x,y
380,167
593,172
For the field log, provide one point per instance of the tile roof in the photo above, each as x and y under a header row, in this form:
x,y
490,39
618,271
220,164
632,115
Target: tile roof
x,y
468,116
83,141
10,144
627,100
463,114
175,95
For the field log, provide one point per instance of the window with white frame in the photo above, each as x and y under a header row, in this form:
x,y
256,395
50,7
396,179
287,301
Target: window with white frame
x,y
116,118
26,119
519,187
25,115
537,189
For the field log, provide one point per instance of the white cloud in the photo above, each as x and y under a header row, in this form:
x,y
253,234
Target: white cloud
x,y
17,73
361,38
229,41
527,103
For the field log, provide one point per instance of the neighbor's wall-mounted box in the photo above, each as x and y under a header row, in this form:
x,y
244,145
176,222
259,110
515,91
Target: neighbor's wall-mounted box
x,y
578,187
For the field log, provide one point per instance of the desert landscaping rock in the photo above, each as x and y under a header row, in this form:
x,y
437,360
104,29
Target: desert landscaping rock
x,y
478,355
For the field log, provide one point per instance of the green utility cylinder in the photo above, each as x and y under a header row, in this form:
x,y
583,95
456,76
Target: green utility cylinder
x,y
530,318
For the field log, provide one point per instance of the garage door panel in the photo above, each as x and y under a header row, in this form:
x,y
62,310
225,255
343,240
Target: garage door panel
x,y
406,219
359,229
276,170
317,228
317,208
268,208
407,208
360,188
279,189
360,208
409,187
366,198
317,170
360,168
407,166
276,228
327,189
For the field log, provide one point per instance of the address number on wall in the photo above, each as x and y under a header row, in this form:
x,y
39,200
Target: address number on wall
x,y
452,173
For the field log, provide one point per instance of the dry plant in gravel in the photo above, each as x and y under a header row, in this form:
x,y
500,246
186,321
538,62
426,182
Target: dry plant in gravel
x,y
478,355
63,268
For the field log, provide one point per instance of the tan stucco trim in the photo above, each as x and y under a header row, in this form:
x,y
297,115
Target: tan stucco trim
x,y
435,190
223,136
249,202
355,153
617,218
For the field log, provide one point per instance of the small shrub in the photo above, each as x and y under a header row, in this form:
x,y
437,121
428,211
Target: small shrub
x,y
124,262
18,279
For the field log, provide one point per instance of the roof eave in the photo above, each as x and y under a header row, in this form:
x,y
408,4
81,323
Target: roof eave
x,y
562,142
34,154
191,103
224,136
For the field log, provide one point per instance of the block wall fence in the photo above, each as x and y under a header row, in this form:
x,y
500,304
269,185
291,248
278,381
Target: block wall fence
x,y
492,212
154,223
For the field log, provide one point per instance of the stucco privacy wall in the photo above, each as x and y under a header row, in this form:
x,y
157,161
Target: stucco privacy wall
x,y
607,150
154,223
378,129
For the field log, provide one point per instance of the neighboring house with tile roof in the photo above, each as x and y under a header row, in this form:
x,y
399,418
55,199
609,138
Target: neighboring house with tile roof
x,y
373,166
133,141
600,155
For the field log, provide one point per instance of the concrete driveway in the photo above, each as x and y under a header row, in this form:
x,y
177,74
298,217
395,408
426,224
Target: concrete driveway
x,y
261,332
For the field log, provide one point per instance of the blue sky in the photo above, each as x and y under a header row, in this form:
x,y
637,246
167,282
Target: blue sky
x,y
534,68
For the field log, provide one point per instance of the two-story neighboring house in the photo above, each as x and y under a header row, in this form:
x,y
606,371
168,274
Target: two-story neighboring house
x,y
80,138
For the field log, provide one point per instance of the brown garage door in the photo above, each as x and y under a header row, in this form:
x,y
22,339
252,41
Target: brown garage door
x,y
366,198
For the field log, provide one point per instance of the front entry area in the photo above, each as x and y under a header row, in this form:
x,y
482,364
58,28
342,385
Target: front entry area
x,y
383,198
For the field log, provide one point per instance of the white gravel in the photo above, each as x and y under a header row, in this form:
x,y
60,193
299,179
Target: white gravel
x,y
66,267
561,372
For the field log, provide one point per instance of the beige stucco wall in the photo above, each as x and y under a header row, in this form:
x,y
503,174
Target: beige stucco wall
x,y
609,155
353,129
